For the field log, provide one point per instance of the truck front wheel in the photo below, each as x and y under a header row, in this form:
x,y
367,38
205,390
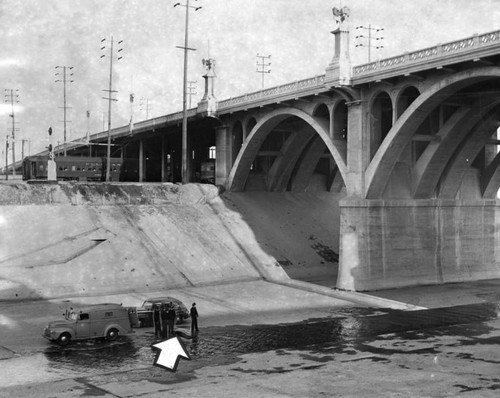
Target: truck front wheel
x,y
64,339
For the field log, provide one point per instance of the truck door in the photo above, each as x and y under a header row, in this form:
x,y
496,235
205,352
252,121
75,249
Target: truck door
x,y
83,326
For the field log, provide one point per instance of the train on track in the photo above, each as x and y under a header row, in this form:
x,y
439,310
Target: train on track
x,y
207,173
75,168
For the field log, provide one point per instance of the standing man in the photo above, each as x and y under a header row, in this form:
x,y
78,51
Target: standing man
x,y
194,318
157,320
171,316
164,321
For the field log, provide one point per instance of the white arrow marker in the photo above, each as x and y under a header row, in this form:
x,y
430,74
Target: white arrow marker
x,y
170,352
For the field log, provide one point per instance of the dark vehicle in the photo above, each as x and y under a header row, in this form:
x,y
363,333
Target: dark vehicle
x,y
90,322
207,174
145,312
75,168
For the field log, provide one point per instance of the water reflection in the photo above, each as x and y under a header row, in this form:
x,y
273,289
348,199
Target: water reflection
x,y
135,352
98,355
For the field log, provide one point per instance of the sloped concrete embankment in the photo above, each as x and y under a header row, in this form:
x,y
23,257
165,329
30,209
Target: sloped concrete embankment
x,y
77,239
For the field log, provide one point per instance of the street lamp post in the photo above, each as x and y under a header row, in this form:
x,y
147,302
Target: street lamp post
x,y
185,149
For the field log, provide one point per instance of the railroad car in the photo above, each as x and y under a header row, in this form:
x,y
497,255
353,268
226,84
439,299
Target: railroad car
x,y
207,174
74,168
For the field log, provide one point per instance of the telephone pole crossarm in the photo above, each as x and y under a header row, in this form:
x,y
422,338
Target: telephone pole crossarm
x,y
64,81
263,66
370,38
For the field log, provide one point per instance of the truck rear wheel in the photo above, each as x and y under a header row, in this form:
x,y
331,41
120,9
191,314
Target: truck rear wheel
x,y
112,334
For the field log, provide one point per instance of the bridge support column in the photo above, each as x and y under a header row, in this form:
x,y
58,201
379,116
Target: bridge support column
x,y
223,147
163,179
141,161
358,156
395,243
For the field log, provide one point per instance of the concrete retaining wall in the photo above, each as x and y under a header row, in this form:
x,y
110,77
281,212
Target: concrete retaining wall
x,y
87,240
386,244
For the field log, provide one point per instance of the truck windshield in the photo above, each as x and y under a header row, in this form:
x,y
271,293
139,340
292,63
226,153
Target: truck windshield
x,y
70,314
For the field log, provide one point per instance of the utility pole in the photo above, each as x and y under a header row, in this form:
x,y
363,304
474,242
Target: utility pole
x,y
131,124
263,66
370,38
110,92
11,97
144,105
191,90
185,149
22,147
88,131
6,157
64,81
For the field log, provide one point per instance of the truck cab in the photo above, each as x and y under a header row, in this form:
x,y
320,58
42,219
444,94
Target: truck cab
x,y
90,322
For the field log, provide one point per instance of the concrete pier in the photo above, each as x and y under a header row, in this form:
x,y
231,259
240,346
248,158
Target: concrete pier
x,y
395,243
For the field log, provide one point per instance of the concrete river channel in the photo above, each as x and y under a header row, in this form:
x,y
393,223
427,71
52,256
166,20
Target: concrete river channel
x,y
351,328
446,351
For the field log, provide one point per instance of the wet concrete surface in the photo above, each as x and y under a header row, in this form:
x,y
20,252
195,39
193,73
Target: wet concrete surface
x,y
351,351
215,345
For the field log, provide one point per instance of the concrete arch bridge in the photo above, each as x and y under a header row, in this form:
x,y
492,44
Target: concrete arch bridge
x,y
409,142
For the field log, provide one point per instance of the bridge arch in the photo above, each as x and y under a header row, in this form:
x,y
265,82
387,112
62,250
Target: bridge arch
x,y
381,115
237,134
400,135
339,120
405,98
321,111
312,127
249,125
490,181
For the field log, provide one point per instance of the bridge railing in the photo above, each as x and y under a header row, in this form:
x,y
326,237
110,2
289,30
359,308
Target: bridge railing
x,y
296,86
304,85
146,124
425,54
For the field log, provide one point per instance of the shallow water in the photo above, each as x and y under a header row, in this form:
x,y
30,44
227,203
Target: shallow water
x,y
351,328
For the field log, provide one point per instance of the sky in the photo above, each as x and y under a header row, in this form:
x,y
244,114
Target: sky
x,y
38,35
